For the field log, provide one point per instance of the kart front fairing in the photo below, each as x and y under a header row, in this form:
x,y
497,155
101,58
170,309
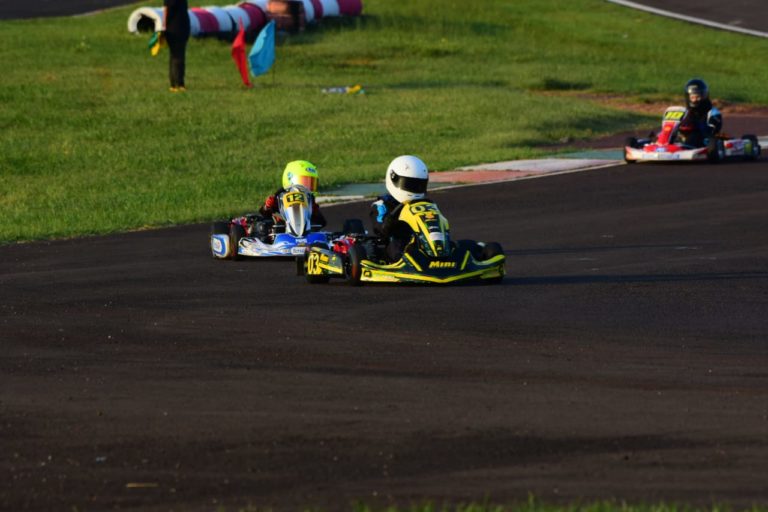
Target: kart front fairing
x,y
678,152
285,244
665,152
417,267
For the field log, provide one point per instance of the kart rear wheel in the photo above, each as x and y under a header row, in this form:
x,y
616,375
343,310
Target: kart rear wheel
x,y
715,150
236,232
754,149
355,255
353,227
313,278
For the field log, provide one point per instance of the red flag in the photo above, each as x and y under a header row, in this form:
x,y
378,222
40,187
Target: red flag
x,y
238,54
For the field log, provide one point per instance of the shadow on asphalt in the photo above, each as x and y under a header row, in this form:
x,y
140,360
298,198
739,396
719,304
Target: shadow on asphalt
x,y
635,278
568,250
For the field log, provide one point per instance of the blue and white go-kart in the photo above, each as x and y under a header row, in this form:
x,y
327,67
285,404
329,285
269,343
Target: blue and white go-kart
x,y
287,234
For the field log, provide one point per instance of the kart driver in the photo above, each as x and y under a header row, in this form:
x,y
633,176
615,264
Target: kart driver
x,y
701,121
298,172
407,178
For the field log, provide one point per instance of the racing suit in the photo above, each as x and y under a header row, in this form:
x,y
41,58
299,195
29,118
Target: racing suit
x,y
271,207
393,233
700,124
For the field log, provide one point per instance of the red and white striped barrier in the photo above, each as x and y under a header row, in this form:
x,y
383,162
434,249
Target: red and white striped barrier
x,y
253,15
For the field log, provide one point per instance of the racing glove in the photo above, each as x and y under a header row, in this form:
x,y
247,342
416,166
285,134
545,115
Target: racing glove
x,y
270,204
381,210
714,123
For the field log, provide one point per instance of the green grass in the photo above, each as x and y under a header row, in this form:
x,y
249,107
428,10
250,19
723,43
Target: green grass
x,y
93,142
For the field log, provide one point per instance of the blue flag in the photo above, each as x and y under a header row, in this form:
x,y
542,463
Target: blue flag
x,y
262,54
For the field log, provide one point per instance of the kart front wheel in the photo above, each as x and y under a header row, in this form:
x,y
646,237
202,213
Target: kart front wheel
x,y
236,232
353,227
355,257
491,249
632,143
218,228
473,247
307,262
715,150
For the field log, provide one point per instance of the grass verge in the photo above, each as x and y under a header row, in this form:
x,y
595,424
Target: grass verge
x,y
93,142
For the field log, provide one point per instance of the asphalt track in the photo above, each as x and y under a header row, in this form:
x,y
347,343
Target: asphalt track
x,y
13,9
624,357
748,14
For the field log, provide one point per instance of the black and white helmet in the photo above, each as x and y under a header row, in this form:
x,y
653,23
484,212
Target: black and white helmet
x,y
696,91
407,178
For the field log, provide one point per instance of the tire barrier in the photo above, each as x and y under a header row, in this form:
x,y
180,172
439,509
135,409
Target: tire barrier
x,y
290,15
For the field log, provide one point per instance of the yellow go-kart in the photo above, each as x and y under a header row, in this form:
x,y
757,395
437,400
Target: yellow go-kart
x,y
430,257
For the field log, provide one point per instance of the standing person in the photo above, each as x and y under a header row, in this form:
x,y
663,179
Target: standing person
x,y
176,26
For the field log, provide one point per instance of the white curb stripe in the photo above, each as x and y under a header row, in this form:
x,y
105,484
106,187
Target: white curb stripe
x,y
689,19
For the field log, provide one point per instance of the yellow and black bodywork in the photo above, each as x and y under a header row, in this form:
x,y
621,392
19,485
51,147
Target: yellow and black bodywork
x,y
430,257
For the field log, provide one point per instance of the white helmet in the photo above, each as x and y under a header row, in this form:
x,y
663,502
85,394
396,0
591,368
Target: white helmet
x,y
407,178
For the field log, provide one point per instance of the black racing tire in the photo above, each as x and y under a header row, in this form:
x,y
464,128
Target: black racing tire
x,y
490,250
632,143
313,279
755,153
475,249
715,150
236,232
353,227
219,228
355,257
300,265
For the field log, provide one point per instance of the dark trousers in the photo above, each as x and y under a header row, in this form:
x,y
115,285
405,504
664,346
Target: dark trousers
x,y
177,44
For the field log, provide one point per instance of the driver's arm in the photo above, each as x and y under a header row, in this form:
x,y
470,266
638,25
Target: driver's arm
x,y
318,219
714,121
270,205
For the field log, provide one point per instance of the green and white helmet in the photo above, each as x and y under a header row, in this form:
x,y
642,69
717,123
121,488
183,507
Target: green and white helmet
x,y
300,172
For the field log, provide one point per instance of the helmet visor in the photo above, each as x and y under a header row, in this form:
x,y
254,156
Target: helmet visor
x,y
308,181
412,185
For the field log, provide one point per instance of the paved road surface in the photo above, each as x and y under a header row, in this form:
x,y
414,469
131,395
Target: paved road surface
x,y
749,14
11,9
624,356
